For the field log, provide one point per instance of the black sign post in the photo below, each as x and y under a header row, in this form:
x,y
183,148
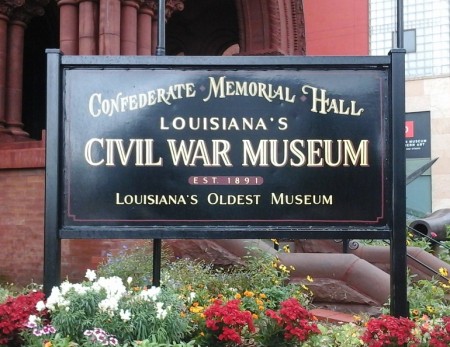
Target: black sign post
x,y
399,302
52,239
160,51
224,147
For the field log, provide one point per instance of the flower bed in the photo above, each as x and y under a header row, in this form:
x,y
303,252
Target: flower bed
x,y
198,305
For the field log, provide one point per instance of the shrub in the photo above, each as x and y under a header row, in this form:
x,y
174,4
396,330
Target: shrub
x,y
135,262
123,313
14,314
261,271
290,325
226,323
428,297
333,334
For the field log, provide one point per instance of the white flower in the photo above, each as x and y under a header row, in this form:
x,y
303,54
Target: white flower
x,y
40,306
192,295
150,294
56,299
113,286
80,289
160,312
32,321
109,305
66,286
129,280
90,275
125,315
37,332
100,337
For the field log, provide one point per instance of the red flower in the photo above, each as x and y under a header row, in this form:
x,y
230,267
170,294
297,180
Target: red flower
x,y
272,314
229,334
227,320
295,320
14,314
387,330
440,335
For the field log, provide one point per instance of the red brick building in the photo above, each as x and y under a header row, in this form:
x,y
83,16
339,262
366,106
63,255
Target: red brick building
x,y
127,27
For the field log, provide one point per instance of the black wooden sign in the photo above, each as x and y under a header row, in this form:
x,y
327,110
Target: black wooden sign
x,y
235,147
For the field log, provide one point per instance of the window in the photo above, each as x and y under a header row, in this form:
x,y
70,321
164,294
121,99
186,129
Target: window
x,y
409,40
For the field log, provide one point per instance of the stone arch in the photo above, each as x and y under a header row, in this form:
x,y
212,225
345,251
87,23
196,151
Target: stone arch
x,y
259,27
271,27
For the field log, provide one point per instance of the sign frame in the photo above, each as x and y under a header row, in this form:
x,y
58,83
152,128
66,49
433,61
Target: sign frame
x,y
395,226
212,230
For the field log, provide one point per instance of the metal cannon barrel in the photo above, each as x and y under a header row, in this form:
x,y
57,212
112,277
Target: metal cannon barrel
x,y
434,225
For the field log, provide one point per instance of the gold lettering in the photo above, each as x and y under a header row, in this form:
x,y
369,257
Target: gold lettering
x,y
309,153
322,104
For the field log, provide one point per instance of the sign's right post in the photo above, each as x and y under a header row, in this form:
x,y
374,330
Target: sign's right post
x,y
399,299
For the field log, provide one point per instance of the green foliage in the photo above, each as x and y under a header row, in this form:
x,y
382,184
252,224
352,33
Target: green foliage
x,y
418,241
426,297
4,293
260,274
193,279
72,320
411,241
261,270
153,343
345,335
9,289
135,262
56,341
443,251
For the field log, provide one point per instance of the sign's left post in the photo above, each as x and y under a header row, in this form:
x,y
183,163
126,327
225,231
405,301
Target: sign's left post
x,y
52,241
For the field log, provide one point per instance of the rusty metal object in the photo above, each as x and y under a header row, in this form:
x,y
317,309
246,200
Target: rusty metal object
x,y
434,225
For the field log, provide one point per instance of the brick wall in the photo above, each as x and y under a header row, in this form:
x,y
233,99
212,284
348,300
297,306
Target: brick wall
x,y
22,232
336,27
21,224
